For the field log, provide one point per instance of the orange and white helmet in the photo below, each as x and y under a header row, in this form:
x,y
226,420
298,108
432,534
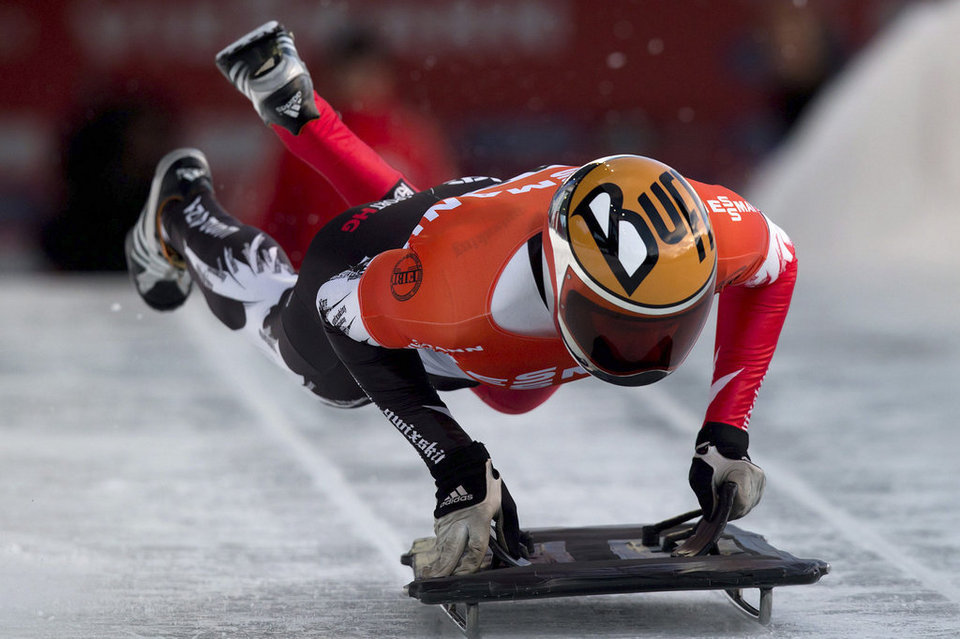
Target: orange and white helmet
x,y
631,263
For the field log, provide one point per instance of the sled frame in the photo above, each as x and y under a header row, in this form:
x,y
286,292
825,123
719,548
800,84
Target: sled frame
x,y
667,556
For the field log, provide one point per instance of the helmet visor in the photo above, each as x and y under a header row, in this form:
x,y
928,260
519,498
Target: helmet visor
x,y
622,347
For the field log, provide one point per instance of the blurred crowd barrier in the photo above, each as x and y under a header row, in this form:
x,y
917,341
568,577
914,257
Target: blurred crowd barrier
x,y
92,94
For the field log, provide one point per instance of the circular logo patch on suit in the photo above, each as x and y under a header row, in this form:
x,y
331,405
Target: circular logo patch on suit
x,y
407,277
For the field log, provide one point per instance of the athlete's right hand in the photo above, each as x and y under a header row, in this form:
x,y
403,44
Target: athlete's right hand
x,y
470,495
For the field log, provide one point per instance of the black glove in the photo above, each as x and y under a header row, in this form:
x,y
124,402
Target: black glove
x,y
721,456
470,495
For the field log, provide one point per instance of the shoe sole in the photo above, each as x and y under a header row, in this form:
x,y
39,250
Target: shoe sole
x,y
153,199
156,262
264,30
148,222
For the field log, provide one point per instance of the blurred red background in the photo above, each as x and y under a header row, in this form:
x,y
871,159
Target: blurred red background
x,y
512,85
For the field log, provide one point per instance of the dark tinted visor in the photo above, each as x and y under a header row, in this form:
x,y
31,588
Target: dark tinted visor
x,y
622,344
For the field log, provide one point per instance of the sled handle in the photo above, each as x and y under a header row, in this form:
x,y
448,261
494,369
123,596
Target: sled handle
x,y
650,534
708,531
503,555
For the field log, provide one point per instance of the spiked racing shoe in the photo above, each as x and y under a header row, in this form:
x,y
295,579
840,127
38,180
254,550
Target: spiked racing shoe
x,y
264,66
158,273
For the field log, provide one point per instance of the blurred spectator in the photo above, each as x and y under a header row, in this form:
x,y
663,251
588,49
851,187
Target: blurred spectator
x,y
361,82
803,52
107,164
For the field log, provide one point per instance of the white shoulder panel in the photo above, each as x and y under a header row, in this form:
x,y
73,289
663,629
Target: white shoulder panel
x,y
338,300
780,252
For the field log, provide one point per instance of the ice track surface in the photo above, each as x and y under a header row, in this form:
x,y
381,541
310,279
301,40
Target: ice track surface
x,y
160,480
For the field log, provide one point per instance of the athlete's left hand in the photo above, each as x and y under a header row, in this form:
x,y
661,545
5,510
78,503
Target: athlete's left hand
x,y
721,456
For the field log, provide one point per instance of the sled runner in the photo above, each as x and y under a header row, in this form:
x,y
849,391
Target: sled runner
x,y
670,555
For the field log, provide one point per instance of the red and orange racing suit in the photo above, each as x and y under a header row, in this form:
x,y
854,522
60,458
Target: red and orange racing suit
x,y
443,289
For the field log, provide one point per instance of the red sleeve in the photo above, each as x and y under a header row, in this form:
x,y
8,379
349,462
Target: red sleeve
x,y
354,169
758,269
748,327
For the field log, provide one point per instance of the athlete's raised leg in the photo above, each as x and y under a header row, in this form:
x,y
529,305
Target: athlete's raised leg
x,y
185,237
265,67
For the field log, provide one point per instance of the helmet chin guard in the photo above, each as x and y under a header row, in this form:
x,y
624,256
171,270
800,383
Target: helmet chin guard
x,y
632,266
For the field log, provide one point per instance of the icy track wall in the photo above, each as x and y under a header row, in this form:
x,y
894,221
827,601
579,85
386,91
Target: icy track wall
x,y
868,185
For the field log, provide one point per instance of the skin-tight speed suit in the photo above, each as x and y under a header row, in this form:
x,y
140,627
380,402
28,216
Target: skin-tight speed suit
x,y
413,292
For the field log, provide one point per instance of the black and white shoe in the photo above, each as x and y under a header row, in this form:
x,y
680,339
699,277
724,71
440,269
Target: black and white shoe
x,y
265,67
158,273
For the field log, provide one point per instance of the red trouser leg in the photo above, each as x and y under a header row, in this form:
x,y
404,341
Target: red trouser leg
x,y
355,170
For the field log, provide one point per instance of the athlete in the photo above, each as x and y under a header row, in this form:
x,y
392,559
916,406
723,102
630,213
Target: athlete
x,y
507,288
